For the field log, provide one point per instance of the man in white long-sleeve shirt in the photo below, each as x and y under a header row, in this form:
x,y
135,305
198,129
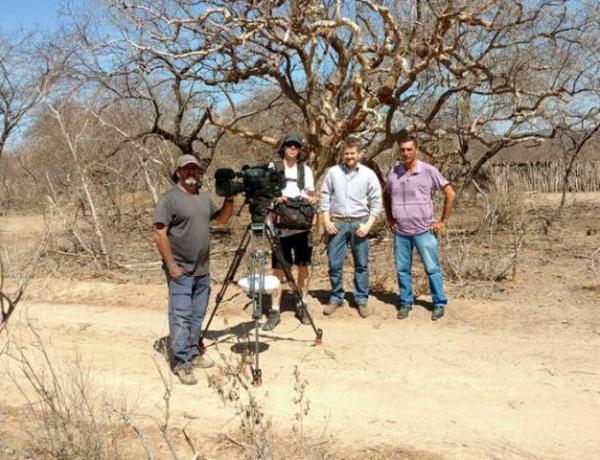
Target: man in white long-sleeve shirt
x,y
350,202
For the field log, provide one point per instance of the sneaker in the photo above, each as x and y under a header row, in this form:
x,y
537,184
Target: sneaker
x,y
364,310
330,308
437,313
302,315
186,375
202,362
273,320
403,311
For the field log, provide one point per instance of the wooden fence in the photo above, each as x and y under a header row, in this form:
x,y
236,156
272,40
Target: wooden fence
x,y
548,176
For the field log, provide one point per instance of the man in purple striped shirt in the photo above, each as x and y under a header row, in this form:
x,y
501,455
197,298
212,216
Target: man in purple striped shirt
x,y
409,209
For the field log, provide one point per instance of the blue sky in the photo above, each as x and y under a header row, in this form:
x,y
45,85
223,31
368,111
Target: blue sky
x,y
28,14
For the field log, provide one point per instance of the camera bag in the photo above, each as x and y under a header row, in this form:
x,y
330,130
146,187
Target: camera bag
x,y
294,214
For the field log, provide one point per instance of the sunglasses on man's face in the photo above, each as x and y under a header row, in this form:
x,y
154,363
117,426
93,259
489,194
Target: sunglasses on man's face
x,y
292,144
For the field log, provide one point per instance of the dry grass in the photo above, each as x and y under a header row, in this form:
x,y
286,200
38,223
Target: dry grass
x,y
66,417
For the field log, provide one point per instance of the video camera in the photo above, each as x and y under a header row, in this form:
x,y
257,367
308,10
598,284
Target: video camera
x,y
260,185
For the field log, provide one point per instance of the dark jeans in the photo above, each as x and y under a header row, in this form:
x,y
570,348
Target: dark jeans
x,y
188,299
336,253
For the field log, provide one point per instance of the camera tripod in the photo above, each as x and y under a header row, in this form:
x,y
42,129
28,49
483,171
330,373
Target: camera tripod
x,y
256,291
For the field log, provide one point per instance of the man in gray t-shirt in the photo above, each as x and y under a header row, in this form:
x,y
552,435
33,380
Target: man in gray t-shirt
x,y
181,233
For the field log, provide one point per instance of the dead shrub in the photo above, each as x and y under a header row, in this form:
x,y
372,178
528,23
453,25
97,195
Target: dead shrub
x,y
67,418
490,251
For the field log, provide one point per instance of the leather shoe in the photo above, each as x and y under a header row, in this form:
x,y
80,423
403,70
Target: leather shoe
x,y
437,313
364,310
331,308
202,362
403,311
185,375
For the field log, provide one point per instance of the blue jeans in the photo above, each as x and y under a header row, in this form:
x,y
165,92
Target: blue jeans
x,y
188,299
427,246
336,253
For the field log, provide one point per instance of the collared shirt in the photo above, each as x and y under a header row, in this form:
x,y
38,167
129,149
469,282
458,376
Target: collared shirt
x,y
351,193
411,196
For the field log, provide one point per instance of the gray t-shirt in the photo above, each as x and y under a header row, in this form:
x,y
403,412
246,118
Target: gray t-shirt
x,y
187,218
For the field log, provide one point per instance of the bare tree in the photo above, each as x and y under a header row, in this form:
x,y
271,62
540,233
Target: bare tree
x,y
577,143
171,105
10,300
498,72
24,77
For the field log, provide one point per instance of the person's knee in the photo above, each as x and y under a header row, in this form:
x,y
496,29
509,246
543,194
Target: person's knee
x,y
361,267
431,266
335,270
279,273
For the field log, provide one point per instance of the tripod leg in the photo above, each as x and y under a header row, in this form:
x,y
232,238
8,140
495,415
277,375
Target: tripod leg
x,y
257,276
233,267
256,371
276,248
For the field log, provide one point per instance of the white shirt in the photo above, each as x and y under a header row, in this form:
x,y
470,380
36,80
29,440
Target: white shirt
x,y
291,190
351,193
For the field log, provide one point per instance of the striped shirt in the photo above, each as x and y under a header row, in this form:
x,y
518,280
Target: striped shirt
x,y
412,206
351,193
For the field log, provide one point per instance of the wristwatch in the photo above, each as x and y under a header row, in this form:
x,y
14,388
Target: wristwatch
x,y
172,265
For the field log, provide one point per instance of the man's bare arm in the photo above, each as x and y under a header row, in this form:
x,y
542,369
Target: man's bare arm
x,y
225,212
164,248
449,198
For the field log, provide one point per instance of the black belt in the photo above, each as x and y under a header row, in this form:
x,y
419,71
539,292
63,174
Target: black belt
x,y
348,219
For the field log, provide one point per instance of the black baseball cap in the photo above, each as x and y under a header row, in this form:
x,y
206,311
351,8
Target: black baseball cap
x,y
292,138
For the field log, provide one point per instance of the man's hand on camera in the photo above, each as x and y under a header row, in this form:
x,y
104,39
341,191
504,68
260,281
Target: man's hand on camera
x,y
363,230
313,200
280,199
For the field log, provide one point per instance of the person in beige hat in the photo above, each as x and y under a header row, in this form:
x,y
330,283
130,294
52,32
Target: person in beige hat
x,y
181,233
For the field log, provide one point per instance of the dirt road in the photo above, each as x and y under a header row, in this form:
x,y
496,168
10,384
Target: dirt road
x,y
494,380
516,375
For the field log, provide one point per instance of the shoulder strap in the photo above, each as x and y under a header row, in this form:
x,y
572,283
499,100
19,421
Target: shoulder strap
x,y
301,176
279,167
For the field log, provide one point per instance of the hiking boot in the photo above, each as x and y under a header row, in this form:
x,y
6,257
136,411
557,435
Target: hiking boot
x,y
202,362
364,310
437,313
186,375
403,311
273,320
330,308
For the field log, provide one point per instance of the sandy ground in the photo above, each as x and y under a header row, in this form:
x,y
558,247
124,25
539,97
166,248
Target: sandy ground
x,y
516,377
